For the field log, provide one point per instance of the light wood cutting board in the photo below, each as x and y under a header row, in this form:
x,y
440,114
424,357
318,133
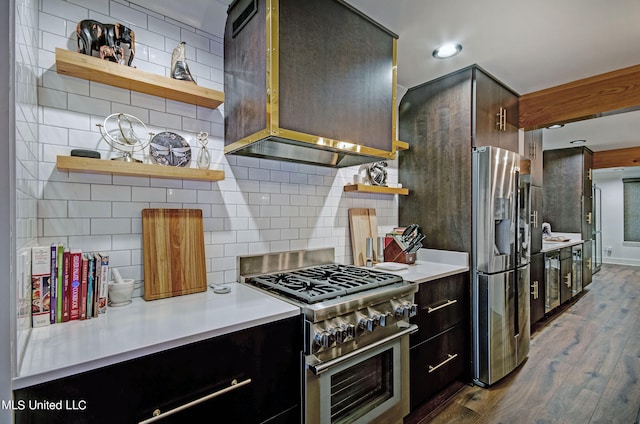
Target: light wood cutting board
x,y
363,223
173,248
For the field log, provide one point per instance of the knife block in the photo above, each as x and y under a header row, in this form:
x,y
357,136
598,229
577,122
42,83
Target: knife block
x,y
394,253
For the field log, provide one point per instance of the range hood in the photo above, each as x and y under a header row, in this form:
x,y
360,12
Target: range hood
x,y
309,81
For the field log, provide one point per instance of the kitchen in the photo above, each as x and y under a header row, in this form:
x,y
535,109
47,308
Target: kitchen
x,y
289,206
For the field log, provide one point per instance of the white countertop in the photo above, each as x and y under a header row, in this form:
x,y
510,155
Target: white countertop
x,y
434,264
549,246
142,328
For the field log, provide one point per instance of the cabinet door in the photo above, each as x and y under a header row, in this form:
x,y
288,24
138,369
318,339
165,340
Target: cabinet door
x,y
496,114
131,391
587,264
533,151
563,189
441,304
537,287
566,276
436,363
536,219
551,280
587,190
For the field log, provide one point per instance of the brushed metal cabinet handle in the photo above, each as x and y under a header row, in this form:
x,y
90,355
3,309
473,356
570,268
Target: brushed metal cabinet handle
x,y
450,357
444,305
158,415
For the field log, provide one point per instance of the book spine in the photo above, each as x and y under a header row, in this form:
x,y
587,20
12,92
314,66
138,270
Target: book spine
x,y
53,282
40,296
60,282
83,287
76,281
90,284
66,285
104,285
96,288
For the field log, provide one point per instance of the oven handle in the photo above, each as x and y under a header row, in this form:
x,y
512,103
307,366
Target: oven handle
x,y
324,366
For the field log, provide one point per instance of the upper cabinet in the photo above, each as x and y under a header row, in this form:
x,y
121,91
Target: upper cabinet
x,y
443,120
496,113
567,190
309,81
533,152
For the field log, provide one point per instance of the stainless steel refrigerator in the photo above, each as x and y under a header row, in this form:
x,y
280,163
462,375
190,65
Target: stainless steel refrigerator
x,y
500,263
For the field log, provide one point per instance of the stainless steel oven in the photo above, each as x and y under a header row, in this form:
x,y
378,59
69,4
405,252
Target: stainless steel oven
x,y
370,386
356,333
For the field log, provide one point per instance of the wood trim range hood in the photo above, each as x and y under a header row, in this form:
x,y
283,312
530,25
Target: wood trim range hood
x,y
309,81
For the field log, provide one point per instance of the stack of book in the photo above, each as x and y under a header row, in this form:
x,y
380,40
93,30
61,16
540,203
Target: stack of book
x,y
67,284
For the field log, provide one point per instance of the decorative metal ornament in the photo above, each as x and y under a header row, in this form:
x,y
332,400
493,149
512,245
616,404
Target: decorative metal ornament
x,y
179,67
204,157
125,133
377,173
170,149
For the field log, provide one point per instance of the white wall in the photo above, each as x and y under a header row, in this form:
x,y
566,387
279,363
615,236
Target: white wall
x,y
7,205
261,205
610,182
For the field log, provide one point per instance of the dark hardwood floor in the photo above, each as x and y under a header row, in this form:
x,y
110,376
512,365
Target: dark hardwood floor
x,y
583,365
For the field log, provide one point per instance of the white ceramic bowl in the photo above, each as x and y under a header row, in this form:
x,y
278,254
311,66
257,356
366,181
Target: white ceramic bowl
x,y
120,293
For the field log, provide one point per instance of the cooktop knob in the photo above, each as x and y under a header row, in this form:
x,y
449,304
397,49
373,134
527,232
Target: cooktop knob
x,y
367,324
324,339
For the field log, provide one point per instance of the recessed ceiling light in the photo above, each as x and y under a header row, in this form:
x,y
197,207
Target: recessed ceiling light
x,y
447,50
555,126
578,141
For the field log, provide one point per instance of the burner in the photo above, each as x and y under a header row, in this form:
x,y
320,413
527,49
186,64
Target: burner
x,y
323,282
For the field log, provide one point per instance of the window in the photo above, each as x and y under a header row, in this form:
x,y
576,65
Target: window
x,y
631,209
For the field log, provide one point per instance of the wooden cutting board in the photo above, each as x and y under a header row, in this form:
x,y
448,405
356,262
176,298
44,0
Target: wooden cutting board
x,y
363,223
173,248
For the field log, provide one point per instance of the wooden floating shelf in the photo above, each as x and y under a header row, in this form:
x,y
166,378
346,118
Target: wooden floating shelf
x,y
402,145
105,166
94,69
364,188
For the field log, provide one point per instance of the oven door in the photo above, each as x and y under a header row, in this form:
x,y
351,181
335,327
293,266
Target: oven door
x,y
368,385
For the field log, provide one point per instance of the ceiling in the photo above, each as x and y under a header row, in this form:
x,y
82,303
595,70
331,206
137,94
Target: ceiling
x,y
528,45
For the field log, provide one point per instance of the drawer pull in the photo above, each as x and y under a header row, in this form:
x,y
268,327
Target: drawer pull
x,y
157,415
450,357
444,305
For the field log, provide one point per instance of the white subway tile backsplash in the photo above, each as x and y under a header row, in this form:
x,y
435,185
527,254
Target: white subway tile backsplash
x,y
149,194
126,241
110,93
51,209
162,27
66,191
128,16
65,9
111,226
91,243
85,103
111,193
89,209
56,227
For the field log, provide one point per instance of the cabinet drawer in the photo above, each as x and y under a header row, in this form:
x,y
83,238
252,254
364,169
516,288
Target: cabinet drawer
x,y
442,304
436,363
131,391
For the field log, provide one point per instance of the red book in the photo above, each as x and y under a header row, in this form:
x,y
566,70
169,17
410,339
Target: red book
x,y
76,281
66,285
83,287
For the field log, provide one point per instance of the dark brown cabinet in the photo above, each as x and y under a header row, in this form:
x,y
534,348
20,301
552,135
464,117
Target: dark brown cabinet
x,y
496,113
439,349
566,274
255,372
587,263
568,190
537,296
442,120
533,152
